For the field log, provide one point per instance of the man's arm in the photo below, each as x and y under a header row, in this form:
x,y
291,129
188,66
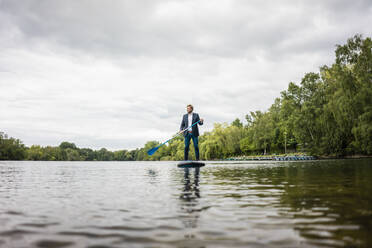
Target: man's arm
x,y
200,120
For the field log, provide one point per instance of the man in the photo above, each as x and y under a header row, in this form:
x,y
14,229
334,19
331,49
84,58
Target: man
x,y
192,132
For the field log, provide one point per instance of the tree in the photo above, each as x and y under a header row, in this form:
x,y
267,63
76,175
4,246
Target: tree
x,y
72,154
65,145
237,123
11,149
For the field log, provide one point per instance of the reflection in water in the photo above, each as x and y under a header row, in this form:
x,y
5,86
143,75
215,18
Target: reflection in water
x,y
191,189
329,203
137,204
190,208
189,197
152,175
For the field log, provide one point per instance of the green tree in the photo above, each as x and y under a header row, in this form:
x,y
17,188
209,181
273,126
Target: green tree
x,y
72,154
237,123
11,149
65,145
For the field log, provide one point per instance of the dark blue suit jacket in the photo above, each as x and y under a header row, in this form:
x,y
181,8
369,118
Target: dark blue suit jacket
x,y
185,124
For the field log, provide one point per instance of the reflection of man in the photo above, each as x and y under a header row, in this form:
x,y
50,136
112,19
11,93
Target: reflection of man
x,y
193,132
189,197
189,186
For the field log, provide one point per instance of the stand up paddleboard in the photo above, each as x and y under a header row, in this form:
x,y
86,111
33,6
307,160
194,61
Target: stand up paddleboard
x,y
190,164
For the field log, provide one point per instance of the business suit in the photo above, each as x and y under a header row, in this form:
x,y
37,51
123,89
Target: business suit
x,y
191,135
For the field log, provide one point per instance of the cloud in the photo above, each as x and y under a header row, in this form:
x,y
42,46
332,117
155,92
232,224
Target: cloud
x,y
116,74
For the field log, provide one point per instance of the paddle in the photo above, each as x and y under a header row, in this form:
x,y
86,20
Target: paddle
x,y
153,150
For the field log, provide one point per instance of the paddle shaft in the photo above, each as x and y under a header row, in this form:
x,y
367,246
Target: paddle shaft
x,y
179,133
151,151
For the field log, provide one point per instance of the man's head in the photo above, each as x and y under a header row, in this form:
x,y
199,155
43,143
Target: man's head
x,y
190,108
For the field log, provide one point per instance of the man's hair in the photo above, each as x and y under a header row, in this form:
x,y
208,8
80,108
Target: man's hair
x,y
190,105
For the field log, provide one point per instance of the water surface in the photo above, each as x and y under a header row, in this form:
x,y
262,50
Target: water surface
x,y
156,204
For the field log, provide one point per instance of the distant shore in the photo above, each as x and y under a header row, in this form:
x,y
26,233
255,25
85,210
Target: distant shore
x,y
294,156
279,157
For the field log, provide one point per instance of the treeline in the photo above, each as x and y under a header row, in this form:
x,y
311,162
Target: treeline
x,y
14,149
327,113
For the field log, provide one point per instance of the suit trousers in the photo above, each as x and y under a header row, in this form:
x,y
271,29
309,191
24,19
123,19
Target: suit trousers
x,y
188,137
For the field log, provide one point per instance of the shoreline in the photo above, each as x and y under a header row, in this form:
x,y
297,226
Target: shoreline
x,y
294,157
247,158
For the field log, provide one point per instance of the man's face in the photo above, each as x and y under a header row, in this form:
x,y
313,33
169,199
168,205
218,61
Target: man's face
x,y
189,109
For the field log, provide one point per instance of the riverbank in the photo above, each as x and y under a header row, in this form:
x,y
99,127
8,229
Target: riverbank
x,y
293,157
356,156
275,157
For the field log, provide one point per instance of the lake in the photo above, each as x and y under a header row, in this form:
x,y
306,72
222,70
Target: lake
x,y
325,203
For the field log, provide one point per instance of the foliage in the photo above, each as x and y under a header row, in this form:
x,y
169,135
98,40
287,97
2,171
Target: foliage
x,y
11,149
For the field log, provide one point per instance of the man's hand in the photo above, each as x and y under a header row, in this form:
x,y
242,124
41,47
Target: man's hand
x,y
201,120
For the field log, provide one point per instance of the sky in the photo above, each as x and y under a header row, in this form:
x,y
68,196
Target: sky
x,y
117,74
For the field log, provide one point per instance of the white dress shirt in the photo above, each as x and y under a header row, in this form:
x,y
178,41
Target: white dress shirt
x,y
190,121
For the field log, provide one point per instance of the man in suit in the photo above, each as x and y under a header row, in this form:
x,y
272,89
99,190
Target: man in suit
x,y
192,132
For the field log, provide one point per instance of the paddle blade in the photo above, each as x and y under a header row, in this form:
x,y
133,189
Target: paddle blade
x,y
152,150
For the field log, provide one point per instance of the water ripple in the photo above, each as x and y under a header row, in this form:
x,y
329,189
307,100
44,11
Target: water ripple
x,y
155,204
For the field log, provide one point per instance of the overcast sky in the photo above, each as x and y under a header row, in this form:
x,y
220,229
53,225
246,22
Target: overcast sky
x,y
116,74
